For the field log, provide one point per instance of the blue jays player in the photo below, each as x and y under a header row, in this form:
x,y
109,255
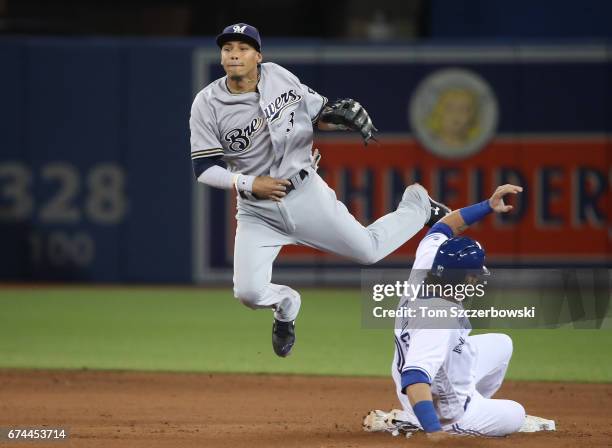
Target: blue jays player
x,y
252,131
445,378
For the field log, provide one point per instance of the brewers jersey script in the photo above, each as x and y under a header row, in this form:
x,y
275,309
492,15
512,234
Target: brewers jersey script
x,y
445,355
267,132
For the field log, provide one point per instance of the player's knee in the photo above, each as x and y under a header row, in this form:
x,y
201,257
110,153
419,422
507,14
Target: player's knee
x,y
366,257
247,295
364,252
505,345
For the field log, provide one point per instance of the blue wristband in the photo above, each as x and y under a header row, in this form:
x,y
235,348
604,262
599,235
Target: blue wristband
x,y
475,212
425,412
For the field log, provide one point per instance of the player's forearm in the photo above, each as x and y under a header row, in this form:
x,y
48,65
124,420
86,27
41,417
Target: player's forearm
x,y
219,177
421,401
454,221
460,220
418,392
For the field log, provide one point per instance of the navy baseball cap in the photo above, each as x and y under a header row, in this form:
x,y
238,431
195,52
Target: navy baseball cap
x,y
242,32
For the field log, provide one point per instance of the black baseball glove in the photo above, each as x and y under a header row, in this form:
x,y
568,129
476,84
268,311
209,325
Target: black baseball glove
x,y
349,114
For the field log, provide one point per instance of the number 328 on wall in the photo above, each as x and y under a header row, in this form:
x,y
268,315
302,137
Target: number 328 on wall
x,y
104,201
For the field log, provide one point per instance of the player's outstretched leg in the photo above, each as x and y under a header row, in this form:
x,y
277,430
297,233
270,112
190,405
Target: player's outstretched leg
x,y
328,225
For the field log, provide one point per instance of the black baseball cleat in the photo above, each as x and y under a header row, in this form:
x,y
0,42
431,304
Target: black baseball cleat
x,y
438,211
283,337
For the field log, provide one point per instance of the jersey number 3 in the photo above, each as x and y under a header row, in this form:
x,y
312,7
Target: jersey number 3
x,y
290,124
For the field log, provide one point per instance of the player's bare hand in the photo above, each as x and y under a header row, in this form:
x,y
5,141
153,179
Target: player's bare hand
x,y
438,436
496,201
266,187
315,158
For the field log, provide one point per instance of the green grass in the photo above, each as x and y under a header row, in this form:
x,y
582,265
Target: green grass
x,y
174,329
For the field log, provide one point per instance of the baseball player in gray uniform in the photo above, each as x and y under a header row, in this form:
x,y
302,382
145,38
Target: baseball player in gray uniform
x,y
252,131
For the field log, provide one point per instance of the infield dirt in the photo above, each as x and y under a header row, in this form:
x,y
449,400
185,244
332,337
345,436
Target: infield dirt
x,y
127,409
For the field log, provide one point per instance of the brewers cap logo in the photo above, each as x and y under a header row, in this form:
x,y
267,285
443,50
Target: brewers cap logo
x,y
453,113
239,29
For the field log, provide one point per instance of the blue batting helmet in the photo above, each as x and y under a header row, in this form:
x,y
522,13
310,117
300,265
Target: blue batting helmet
x,y
457,257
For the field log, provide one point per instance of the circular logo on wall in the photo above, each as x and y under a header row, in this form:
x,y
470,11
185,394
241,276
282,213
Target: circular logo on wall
x,y
453,113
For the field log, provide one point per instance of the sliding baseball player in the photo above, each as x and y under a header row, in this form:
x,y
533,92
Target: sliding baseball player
x,y
445,378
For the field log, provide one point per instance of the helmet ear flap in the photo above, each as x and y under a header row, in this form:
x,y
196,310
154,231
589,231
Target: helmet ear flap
x,y
438,271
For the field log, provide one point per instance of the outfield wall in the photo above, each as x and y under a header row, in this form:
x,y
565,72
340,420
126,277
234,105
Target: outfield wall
x,y
96,182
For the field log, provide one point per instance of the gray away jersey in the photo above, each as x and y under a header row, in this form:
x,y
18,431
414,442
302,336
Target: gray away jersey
x,y
268,132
